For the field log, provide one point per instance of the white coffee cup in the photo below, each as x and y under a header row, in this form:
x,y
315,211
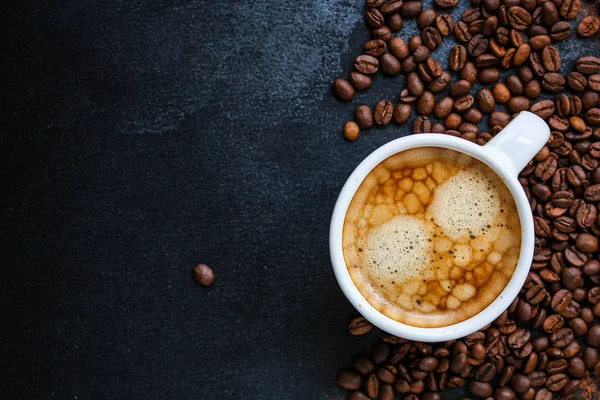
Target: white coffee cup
x,y
507,154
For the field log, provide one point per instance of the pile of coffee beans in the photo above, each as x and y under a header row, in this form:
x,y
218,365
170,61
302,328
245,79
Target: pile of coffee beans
x,y
549,338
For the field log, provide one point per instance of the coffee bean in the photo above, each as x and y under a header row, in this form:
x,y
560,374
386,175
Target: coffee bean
x,y
343,90
443,108
349,380
383,33
458,57
477,45
389,64
386,392
428,364
387,374
401,113
557,381
561,300
381,353
594,82
431,38
444,24
358,395
375,48
414,84
203,274
590,357
351,131
539,42
499,118
553,82
383,112
411,9
543,108
485,100
425,103
363,116
577,81
363,365
537,378
586,243
426,18
371,385
374,3
561,30
446,3
520,383
553,323
501,93
395,22
569,9
422,125
593,336
562,337
398,48
588,65
374,18
518,18
366,64
440,83
421,53
518,104
522,54
549,14
480,389
551,59
488,75
592,193
406,97
588,26
592,116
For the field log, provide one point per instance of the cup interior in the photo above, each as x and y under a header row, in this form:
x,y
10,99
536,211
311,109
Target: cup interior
x,y
474,323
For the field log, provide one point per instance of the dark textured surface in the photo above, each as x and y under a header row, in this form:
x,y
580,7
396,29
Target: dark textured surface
x,y
138,138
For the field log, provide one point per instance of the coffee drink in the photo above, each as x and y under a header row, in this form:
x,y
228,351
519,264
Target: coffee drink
x,y
431,237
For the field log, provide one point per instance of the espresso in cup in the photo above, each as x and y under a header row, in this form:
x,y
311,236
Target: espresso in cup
x,y
431,237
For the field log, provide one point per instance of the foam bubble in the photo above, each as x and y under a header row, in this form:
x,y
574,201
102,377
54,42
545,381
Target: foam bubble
x,y
399,250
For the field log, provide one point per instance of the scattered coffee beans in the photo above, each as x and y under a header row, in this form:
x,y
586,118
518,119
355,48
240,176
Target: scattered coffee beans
x,y
203,274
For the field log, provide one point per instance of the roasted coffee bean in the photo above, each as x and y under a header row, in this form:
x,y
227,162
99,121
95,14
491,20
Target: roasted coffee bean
x,y
586,243
386,392
485,100
383,33
381,353
443,108
561,300
590,357
553,82
561,30
551,59
364,117
569,9
398,48
401,113
359,325
371,385
349,380
519,18
374,18
588,26
446,3
592,116
366,64
469,73
375,48
562,337
477,45
410,9
577,81
556,367
358,395
518,104
422,125
588,65
501,93
426,18
557,381
395,22
546,169
461,31
444,24
480,389
590,100
374,3
593,295
387,373
460,88
539,42
593,336
383,112
520,383
363,365
440,83
359,81
428,364
521,55
488,75
473,115
501,119
389,65
518,338
431,38
421,53
343,90
543,109
553,323
203,274
458,57
533,89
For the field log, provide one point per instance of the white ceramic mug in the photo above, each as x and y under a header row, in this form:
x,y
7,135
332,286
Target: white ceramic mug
x,y
507,154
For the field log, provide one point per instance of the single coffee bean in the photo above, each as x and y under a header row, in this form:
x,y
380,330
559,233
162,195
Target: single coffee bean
x,y
446,3
374,3
383,112
485,100
586,215
543,108
594,82
501,119
363,365
349,380
359,81
374,18
533,89
578,326
363,116
398,48
402,113
443,108
501,93
561,30
422,125
590,357
588,65
592,193
586,243
518,338
551,59
343,90
553,323
203,274
522,54
561,300
389,64
414,84
351,131
375,48
557,381
593,336
519,18
537,378
425,103
384,33
460,88
431,38
381,352
386,392
444,24
520,383
366,64
518,104
411,9
458,57
553,82
514,85
539,42
428,364
440,83
549,14
592,116
569,9
488,75
480,389
593,295
386,374
562,337
421,53
406,97
359,325
588,26
371,385
477,45
577,81
395,22
473,115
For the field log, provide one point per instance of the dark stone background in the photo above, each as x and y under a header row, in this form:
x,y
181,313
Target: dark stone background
x,y
138,138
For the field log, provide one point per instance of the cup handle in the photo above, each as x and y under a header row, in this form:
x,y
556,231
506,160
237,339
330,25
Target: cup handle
x,y
516,144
